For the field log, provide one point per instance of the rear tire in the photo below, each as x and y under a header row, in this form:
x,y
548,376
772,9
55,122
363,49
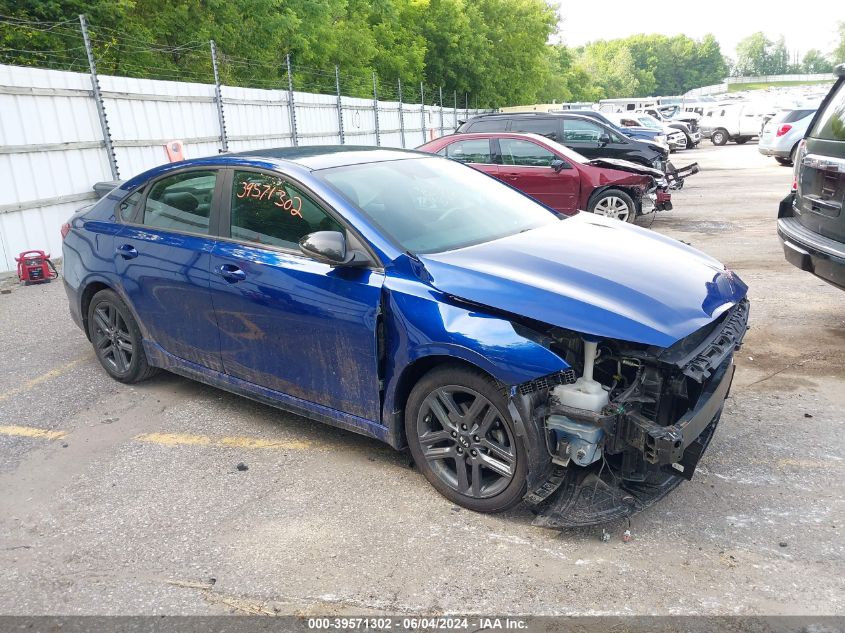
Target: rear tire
x,y
742,140
463,440
719,137
614,203
117,339
783,161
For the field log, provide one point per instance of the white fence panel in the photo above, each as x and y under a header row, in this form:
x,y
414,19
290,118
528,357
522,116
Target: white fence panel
x,y
52,149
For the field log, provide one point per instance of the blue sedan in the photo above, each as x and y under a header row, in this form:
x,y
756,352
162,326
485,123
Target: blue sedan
x,y
579,364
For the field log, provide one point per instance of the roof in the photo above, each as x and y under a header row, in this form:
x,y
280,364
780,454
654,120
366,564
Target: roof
x,y
325,156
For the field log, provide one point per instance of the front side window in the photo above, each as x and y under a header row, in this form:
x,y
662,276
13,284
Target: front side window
x,y
267,209
475,151
427,205
830,125
181,202
524,153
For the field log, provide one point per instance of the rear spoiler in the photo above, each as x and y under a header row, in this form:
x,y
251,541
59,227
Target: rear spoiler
x,y
103,188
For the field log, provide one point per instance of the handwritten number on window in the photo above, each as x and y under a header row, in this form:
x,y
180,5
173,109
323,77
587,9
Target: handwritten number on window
x,y
258,191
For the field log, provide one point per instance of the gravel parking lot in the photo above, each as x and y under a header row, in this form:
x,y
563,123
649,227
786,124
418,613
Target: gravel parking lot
x,y
128,500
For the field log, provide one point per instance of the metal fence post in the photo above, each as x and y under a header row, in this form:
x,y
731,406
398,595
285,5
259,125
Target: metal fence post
x,y
401,116
455,95
218,98
339,105
98,98
375,110
291,104
422,110
466,104
441,111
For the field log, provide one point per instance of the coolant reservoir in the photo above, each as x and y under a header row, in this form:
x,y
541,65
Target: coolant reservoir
x,y
585,393
582,394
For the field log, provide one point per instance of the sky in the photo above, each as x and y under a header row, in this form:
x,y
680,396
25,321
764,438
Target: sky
x,y
805,25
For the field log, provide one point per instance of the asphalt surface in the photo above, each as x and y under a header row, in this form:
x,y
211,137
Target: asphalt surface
x,y
127,499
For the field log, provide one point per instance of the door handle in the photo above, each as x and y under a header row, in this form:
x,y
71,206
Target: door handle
x,y
126,251
512,176
231,273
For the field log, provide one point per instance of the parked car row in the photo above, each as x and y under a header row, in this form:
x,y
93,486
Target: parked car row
x,y
783,132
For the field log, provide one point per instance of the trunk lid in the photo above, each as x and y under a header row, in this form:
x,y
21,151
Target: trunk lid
x,y
821,174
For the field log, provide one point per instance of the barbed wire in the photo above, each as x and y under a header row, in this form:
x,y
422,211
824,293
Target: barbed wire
x,y
191,61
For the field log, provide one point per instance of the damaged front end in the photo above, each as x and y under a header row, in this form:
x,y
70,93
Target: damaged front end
x,y
633,425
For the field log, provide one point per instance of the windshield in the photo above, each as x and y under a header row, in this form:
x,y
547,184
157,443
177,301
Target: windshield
x,y
649,121
430,205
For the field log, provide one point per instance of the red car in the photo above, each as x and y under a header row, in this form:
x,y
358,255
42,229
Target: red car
x,y
559,177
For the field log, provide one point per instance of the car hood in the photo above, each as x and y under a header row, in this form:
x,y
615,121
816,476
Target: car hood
x,y
593,275
626,165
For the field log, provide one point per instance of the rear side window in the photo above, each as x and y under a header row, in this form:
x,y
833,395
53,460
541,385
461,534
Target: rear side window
x,y
475,151
181,202
267,209
830,126
491,125
796,115
524,153
543,127
129,205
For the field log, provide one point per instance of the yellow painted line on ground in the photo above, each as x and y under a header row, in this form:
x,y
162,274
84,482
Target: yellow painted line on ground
x,y
183,439
53,373
31,431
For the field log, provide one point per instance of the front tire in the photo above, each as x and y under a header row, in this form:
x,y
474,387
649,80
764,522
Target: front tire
x,y
116,338
614,203
719,137
464,441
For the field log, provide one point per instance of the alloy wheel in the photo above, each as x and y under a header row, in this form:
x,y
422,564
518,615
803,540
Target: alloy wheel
x,y
465,441
613,207
112,340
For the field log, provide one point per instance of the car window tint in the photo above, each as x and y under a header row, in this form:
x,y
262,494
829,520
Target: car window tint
x,y
474,151
524,153
129,205
267,209
578,131
491,125
543,127
181,202
831,123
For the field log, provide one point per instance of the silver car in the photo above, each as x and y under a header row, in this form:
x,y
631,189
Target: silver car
x,y
782,132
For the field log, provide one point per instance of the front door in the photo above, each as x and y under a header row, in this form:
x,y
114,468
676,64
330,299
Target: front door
x,y
527,166
162,256
288,322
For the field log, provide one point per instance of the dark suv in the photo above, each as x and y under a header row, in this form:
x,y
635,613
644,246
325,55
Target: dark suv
x,y
811,222
585,135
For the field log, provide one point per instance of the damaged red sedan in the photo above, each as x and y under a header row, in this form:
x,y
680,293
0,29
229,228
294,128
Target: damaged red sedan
x,y
559,177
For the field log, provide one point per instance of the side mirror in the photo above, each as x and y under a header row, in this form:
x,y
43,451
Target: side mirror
x,y
329,247
558,165
604,139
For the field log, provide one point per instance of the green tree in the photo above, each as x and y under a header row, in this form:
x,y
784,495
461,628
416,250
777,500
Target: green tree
x,y
838,55
815,62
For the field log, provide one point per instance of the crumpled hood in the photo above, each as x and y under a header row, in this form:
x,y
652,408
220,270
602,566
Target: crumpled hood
x,y
593,275
626,165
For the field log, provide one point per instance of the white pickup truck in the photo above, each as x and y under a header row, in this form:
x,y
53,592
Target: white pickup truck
x,y
738,122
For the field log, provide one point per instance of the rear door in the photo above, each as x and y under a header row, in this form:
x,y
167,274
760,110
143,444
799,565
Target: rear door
x,y
288,322
474,152
590,139
162,255
528,166
821,178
